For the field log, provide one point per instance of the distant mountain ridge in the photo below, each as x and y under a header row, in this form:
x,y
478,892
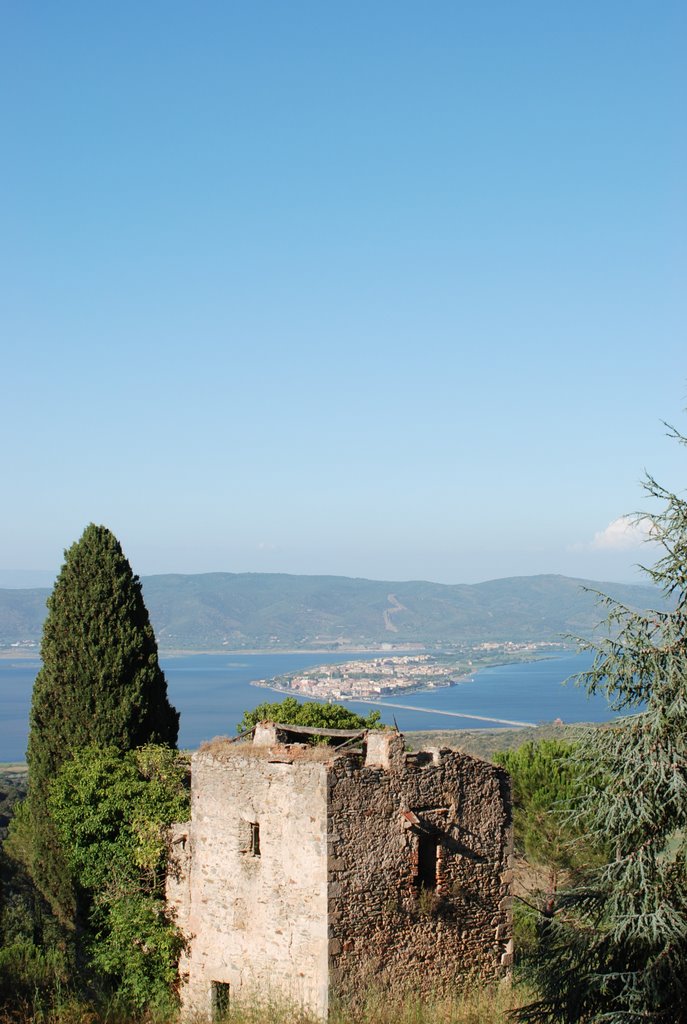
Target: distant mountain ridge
x,y
234,611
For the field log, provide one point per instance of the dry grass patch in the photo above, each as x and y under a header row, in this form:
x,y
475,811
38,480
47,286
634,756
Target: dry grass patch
x,y
223,749
480,1006
489,1005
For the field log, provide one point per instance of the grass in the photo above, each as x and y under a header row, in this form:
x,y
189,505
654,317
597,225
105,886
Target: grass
x,y
489,1005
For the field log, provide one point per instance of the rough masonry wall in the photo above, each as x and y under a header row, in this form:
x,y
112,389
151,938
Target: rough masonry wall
x,y
385,925
256,920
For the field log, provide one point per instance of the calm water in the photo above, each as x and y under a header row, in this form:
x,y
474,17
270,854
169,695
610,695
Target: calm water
x,y
212,692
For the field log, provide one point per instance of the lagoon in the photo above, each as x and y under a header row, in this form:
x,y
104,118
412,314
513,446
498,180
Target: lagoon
x,y
213,690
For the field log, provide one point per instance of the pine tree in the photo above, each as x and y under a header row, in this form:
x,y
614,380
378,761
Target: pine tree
x,y
100,683
615,949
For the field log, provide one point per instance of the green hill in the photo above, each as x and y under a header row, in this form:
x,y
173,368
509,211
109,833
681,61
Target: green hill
x,y
266,610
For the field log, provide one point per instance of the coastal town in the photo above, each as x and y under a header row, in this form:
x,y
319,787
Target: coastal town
x,y
402,673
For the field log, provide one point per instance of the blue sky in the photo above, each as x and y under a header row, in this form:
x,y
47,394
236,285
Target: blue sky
x,y
389,290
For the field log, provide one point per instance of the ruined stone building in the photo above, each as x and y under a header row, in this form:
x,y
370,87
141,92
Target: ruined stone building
x,y
311,872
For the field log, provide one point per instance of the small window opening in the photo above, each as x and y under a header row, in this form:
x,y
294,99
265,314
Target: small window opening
x,y
220,1001
426,877
254,839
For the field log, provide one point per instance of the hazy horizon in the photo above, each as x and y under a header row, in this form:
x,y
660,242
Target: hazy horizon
x,y
18,579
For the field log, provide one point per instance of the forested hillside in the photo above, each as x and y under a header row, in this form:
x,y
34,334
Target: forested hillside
x,y
264,610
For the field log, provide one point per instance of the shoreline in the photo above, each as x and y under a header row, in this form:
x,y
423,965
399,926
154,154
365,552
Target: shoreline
x,y
33,654
259,651
376,697
462,680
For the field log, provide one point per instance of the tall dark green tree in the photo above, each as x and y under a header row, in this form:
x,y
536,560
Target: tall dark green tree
x,y
615,949
100,683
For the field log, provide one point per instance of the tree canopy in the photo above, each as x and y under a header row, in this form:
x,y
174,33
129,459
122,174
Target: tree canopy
x,y
111,812
315,714
616,947
100,682
545,779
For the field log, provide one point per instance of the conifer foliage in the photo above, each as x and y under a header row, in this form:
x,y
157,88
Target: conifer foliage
x,y
100,683
616,947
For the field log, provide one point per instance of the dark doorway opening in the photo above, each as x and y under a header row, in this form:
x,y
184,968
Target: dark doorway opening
x,y
220,1001
426,877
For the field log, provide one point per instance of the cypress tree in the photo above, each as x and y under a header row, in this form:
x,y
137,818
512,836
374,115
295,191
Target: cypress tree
x,y
100,683
615,949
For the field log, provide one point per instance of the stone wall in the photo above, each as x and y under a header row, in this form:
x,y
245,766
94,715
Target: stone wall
x,y
419,870
249,877
307,874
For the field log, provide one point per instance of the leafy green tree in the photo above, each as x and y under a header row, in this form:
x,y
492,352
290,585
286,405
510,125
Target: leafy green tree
x,y
615,949
315,714
100,682
112,811
33,966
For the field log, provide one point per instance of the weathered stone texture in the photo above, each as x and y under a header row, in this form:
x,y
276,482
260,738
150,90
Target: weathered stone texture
x,y
255,921
380,868
385,925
